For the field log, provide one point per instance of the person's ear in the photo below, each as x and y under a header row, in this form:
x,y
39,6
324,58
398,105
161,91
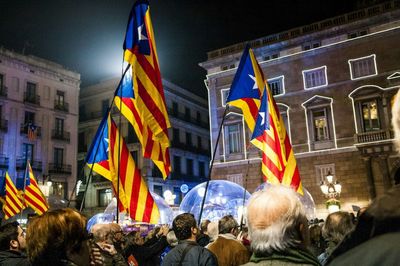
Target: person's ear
x,y
14,244
194,230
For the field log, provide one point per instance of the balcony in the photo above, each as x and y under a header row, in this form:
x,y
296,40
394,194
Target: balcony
x,y
186,177
3,125
183,117
33,99
24,130
3,162
61,106
56,168
21,164
373,136
60,135
3,91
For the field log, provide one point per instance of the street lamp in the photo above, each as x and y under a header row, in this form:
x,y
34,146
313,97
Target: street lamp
x,y
331,189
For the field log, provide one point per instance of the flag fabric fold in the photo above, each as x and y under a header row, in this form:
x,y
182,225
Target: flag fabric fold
x,y
13,203
247,86
278,162
31,131
148,111
109,156
125,102
33,196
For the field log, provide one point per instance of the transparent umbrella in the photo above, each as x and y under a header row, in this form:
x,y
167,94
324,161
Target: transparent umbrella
x,y
223,198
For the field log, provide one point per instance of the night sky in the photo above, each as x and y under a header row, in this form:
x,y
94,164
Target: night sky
x,y
87,36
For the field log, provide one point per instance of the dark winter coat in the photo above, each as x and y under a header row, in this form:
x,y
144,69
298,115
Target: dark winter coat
x,y
15,258
196,256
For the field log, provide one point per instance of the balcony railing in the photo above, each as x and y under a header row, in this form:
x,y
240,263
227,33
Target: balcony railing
x,y
3,125
29,98
188,119
186,177
56,168
95,115
3,162
61,106
24,130
3,91
21,164
373,136
60,135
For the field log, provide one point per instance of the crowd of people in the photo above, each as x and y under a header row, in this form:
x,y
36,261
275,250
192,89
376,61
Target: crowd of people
x,y
277,233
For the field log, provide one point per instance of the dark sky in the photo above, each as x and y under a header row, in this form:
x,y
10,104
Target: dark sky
x,y
87,36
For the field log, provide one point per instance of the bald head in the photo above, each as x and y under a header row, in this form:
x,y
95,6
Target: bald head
x,y
276,219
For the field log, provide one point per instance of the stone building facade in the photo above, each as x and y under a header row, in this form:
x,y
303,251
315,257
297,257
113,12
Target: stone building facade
x,y
38,92
333,81
189,136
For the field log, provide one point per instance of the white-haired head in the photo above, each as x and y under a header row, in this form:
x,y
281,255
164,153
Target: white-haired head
x,y
276,220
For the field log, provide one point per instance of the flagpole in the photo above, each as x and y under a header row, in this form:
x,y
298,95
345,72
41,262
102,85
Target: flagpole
x,y
97,149
212,162
23,189
244,193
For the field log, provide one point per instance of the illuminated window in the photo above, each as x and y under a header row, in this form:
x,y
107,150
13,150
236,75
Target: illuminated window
x,y
233,133
320,119
105,196
370,117
315,78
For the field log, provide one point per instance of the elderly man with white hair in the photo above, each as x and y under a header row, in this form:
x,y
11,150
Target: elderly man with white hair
x,y
278,228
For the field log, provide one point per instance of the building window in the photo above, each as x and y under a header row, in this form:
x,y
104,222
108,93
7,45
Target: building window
x,y
1,82
202,169
132,138
27,152
178,194
177,164
320,120
135,156
224,96
30,90
189,167
315,78
59,189
158,190
276,85
370,115
363,67
58,157
104,106
322,170
60,98
189,139
105,196
175,135
198,117
29,118
175,109
199,143
311,45
356,34
59,126
321,132
233,133
187,113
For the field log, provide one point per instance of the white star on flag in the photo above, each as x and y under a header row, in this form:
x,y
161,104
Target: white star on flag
x,y
255,82
262,114
108,144
141,37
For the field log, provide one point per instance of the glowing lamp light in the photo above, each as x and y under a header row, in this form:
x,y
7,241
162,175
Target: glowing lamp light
x,y
201,191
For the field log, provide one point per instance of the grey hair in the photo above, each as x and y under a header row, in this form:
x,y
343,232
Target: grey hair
x,y
283,232
171,239
212,230
396,120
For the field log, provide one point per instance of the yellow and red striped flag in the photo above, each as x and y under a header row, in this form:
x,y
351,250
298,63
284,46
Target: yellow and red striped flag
x,y
134,195
278,162
13,203
33,196
151,120
124,100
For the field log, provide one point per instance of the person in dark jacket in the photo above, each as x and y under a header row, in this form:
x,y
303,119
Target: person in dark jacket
x,y
146,255
203,239
12,245
188,252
